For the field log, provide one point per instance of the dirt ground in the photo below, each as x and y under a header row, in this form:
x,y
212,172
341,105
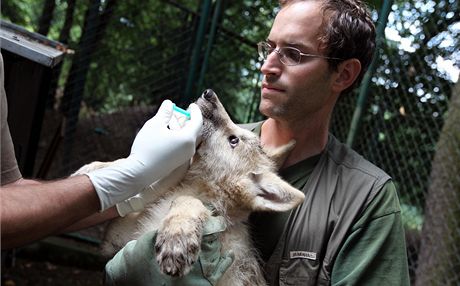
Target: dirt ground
x,y
61,260
40,273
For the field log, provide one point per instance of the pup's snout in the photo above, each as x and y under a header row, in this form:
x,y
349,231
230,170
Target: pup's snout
x,y
208,94
210,105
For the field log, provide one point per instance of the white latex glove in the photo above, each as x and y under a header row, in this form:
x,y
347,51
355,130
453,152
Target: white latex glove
x,y
138,202
156,151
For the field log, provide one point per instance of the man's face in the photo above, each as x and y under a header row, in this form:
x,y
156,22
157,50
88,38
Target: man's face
x,y
291,93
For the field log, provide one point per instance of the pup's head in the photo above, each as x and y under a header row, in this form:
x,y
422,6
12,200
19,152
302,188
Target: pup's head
x,y
232,165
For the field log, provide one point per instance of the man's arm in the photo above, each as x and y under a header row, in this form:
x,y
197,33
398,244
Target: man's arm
x,y
375,251
32,211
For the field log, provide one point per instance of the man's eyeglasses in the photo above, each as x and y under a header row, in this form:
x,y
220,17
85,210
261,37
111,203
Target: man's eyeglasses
x,y
288,55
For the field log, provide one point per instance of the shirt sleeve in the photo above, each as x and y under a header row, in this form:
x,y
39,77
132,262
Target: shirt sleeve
x,y
9,166
374,252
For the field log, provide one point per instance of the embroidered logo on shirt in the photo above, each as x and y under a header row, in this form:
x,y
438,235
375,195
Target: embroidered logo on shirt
x,y
303,254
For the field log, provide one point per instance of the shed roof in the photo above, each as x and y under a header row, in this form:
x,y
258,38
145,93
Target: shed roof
x,y
30,45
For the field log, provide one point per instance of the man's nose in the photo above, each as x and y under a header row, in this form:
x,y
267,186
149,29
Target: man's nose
x,y
272,64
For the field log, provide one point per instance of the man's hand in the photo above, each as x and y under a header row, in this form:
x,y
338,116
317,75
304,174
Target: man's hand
x,y
136,264
156,151
213,263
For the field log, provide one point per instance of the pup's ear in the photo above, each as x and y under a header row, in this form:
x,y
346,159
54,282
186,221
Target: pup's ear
x,y
279,155
273,194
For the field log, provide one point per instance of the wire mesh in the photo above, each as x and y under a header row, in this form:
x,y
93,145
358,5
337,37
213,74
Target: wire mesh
x,y
406,110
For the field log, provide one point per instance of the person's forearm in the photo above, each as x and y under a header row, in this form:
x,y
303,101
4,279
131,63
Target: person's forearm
x,y
36,210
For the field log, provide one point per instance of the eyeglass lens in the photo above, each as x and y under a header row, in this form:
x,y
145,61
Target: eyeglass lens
x,y
287,55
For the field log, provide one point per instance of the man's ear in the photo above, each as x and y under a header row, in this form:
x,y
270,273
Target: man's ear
x,y
347,72
271,193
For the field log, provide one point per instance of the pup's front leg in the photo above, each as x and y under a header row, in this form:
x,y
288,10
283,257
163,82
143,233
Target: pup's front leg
x,y
179,237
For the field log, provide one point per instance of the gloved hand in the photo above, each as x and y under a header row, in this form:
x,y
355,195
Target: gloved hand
x,y
136,265
156,151
213,263
138,202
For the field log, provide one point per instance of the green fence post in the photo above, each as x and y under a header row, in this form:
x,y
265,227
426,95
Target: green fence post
x,y
366,82
212,35
205,11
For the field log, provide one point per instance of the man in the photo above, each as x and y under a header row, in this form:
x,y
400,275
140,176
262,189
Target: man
x,y
349,230
31,210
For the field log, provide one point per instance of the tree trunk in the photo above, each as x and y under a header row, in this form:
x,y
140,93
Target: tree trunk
x,y
64,36
65,31
46,17
439,256
94,28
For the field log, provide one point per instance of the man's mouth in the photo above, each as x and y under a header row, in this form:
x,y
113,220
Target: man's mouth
x,y
271,88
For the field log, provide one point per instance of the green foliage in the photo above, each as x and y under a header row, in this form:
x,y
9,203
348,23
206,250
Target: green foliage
x,y
410,92
21,12
412,217
234,67
144,52
146,55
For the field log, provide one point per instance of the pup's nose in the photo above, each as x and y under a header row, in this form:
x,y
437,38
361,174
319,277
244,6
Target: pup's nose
x,y
208,94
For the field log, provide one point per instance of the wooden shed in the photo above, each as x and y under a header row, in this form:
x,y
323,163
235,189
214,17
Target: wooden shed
x,y
29,60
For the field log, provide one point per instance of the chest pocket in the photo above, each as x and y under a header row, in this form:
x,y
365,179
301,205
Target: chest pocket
x,y
300,271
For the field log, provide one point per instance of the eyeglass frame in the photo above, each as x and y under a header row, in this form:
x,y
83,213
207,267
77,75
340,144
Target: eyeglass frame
x,y
280,56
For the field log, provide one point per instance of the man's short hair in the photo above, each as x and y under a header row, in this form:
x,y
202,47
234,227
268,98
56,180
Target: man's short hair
x,y
347,32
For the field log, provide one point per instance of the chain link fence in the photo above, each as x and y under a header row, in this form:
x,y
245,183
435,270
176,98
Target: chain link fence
x,y
402,131
129,57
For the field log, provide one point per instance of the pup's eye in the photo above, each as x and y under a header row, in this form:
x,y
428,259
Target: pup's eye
x,y
233,140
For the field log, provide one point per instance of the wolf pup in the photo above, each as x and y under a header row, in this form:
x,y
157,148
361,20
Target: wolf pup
x,y
232,173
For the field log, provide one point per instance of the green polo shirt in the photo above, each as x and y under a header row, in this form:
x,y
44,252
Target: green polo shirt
x,y
268,226
374,251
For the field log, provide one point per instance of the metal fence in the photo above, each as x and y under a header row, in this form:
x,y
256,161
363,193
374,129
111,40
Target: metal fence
x,y
401,127
127,60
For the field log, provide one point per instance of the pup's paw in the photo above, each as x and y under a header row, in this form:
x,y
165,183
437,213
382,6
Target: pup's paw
x,y
177,249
